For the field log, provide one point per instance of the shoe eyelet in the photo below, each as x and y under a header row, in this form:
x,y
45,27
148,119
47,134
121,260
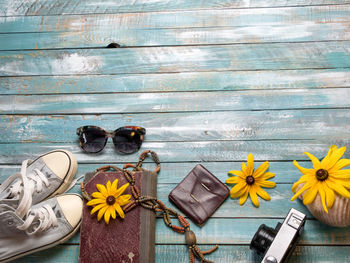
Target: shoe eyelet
x,y
10,222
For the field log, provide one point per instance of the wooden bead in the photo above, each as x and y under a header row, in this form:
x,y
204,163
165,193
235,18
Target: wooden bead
x,y
190,238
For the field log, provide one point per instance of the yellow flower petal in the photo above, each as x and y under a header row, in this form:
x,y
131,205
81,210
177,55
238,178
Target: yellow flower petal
x,y
233,180
323,199
119,210
238,187
254,198
334,158
339,165
267,184
115,184
108,187
266,176
261,169
303,179
240,192
243,198
315,162
310,195
338,188
96,208
107,215
340,174
102,190
123,199
98,195
121,190
262,193
305,187
96,201
302,169
344,182
113,214
327,158
250,164
101,212
244,168
238,173
330,197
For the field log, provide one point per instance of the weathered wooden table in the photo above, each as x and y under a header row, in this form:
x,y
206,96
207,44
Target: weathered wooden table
x,y
210,80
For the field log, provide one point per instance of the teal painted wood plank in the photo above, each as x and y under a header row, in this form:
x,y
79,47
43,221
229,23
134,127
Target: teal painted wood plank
x,y
176,102
57,7
225,254
241,231
208,151
166,37
271,18
190,81
204,126
173,173
177,59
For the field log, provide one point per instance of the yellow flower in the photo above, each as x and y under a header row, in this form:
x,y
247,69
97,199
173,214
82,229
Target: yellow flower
x,y
250,181
109,200
325,178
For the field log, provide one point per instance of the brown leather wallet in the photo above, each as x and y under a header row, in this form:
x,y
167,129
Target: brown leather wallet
x,y
199,194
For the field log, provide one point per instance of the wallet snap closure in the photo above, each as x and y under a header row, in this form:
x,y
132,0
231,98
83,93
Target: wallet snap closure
x,y
206,187
194,198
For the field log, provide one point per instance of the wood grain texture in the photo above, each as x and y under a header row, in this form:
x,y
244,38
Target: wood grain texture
x,y
176,102
177,59
58,7
225,254
171,37
173,173
203,126
190,81
207,151
177,28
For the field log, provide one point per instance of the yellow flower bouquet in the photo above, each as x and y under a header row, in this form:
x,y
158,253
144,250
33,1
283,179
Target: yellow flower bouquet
x,y
324,188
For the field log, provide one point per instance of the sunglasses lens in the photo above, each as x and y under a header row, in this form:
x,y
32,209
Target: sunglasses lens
x,y
92,140
127,141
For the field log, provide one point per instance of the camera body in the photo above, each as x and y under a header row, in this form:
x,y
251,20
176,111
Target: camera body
x,y
276,245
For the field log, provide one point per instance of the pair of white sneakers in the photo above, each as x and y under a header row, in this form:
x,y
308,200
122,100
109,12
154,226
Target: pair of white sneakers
x,y
35,212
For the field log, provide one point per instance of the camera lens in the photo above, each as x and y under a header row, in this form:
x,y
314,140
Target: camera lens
x,y
263,238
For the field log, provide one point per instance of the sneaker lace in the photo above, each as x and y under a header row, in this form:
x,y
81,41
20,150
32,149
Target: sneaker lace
x,y
39,220
25,187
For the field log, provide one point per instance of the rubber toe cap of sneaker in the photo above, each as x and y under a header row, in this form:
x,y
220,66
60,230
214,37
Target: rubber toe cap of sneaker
x,y
71,207
59,162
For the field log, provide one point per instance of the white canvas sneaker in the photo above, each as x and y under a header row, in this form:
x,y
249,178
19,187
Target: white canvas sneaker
x,y
45,225
48,175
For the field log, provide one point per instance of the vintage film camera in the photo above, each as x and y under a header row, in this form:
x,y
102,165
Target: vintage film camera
x,y
276,245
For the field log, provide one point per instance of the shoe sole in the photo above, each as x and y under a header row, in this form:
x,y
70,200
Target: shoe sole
x,y
58,242
73,167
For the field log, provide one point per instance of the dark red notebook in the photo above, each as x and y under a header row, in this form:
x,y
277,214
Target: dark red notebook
x,y
131,239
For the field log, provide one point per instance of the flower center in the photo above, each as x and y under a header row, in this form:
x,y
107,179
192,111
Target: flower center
x,y
110,200
250,180
322,174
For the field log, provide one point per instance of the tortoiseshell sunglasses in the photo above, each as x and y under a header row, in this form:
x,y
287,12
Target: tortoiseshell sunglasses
x,y
126,139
